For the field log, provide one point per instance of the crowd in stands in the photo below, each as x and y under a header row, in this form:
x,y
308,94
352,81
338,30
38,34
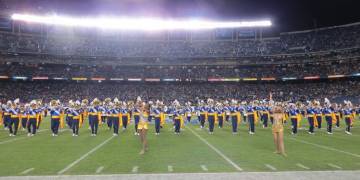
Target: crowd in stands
x,y
335,90
58,56
68,44
181,72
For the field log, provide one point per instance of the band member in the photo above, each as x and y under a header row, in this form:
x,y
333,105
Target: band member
x,y
177,115
39,115
104,115
265,115
114,115
125,113
226,110
348,116
14,118
211,115
56,115
23,116
144,111
84,107
33,118
136,113
220,114
293,113
328,112
277,127
318,114
6,117
197,111
310,113
188,111
337,114
77,118
94,113
69,116
203,114
156,111
251,116
234,116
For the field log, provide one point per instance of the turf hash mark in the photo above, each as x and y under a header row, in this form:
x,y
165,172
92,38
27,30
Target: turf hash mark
x,y
302,166
271,167
27,171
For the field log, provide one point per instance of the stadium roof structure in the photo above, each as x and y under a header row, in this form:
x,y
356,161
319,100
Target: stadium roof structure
x,y
141,23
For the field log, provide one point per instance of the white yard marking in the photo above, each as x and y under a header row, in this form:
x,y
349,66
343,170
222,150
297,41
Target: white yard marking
x,y
204,168
326,147
27,171
99,169
19,138
216,150
270,167
85,155
302,166
170,169
135,169
334,166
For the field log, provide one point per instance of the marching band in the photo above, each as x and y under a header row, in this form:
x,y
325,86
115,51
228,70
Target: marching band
x,y
116,114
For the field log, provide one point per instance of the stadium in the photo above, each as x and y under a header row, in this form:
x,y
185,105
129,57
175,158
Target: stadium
x,y
81,94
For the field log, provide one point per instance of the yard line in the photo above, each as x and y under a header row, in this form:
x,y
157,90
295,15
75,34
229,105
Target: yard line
x,y
170,169
216,150
204,168
326,147
27,171
302,166
85,155
19,138
135,169
270,167
334,166
99,169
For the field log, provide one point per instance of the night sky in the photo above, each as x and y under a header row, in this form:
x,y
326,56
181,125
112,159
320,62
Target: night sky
x,y
286,15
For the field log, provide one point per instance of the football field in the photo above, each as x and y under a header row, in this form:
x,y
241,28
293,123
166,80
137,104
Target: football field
x,y
193,151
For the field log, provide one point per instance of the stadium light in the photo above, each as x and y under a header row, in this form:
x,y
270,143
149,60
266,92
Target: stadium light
x,y
145,24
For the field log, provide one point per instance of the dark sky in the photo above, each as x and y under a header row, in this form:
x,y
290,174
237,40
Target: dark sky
x,y
287,15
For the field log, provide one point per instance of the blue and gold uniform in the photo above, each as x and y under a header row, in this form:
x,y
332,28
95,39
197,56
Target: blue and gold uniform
x,y
56,119
318,115
125,113
14,120
136,114
23,117
188,113
203,115
177,115
220,115
251,116
265,116
156,111
114,117
94,114
235,117
6,115
77,121
211,116
33,120
337,113
327,111
348,117
293,113
311,118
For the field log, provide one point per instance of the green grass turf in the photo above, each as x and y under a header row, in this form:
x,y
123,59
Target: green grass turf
x,y
185,152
